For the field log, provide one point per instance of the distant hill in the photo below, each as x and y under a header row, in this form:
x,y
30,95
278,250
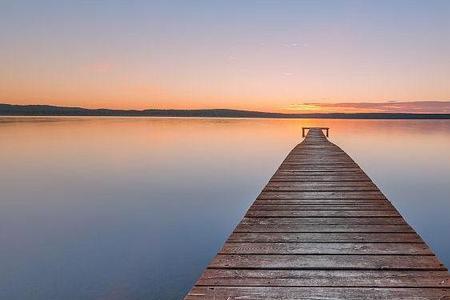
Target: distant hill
x,y
49,110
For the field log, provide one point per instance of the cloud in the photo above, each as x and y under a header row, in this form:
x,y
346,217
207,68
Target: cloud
x,y
375,107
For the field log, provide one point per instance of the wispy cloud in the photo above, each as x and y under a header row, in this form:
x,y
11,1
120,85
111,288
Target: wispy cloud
x,y
380,107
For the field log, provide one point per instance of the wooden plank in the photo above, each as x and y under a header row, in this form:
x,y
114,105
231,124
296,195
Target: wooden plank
x,y
324,278
307,165
322,228
319,158
317,237
320,186
335,293
319,161
315,178
326,248
328,262
339,156
315,154
315,168
324,221
383,206
355,202
322,213
321,195
298,172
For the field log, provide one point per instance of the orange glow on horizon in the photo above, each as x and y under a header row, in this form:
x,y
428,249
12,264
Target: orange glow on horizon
x,y
318,108
303,56
436,107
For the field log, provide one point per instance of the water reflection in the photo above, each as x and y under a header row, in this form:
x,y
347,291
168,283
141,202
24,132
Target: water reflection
x,y
134,208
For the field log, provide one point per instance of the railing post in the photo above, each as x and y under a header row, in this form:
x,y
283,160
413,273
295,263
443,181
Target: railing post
x,y
326,129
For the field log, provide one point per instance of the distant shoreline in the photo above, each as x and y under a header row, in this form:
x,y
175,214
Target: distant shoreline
x,y
49,110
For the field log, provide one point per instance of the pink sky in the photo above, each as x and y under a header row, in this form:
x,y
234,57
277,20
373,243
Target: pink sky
x,y
334,55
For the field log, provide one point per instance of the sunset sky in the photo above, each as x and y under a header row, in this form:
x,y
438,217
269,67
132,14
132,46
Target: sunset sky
x,y
259,55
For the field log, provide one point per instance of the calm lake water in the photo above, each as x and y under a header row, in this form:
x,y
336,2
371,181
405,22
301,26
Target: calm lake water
x,y
134,208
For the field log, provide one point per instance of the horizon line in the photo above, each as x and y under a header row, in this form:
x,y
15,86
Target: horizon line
x,y
52,110
307,107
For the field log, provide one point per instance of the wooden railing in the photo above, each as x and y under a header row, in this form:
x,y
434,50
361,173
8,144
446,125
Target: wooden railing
x,y
321,128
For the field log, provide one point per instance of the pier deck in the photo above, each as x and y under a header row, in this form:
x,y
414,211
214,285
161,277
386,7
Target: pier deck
x,y
321,229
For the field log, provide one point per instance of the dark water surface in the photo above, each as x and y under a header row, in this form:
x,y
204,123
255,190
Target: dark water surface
x,y
134,208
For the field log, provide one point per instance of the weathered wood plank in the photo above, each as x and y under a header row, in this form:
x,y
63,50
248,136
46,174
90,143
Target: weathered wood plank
x,y
317,178
322,228
325,261
355,202
382,206
317,237
324,221
330,293
315,168
322,213
320,165
326,248
320,162
324,278
298,172
319,186
321,195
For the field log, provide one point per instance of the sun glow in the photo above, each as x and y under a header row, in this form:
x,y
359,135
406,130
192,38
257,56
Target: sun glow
x,y
303,107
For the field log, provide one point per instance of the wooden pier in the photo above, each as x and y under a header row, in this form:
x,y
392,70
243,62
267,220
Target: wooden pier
x,y
321,229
